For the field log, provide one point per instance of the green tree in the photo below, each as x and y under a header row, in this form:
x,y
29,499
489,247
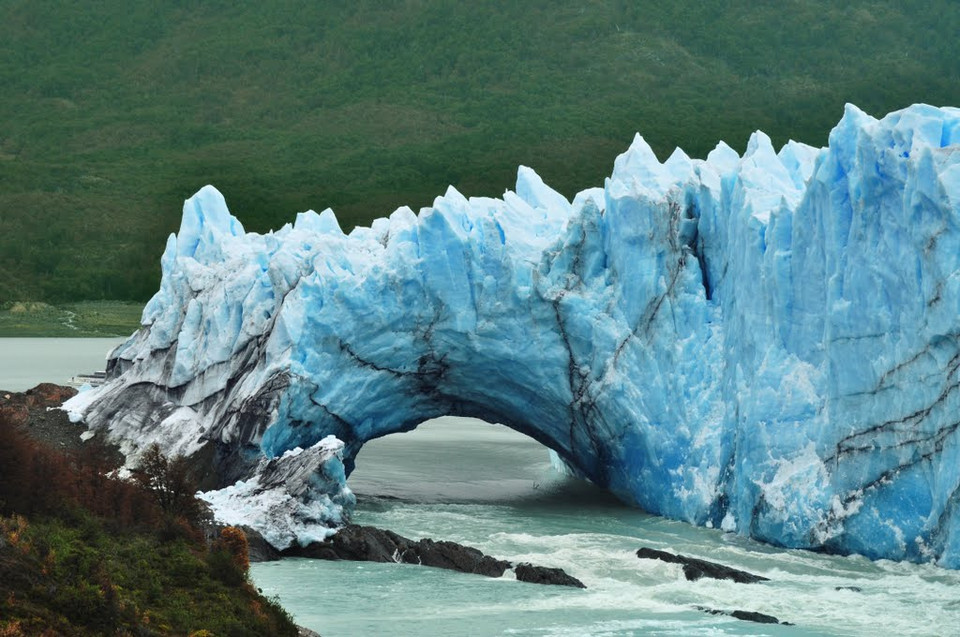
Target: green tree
x,y
171,483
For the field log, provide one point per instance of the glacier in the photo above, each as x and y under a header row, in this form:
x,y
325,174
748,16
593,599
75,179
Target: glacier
x,y
768,343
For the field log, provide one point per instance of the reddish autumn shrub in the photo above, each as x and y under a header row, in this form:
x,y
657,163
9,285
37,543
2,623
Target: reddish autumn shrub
x,y
35,479
234,541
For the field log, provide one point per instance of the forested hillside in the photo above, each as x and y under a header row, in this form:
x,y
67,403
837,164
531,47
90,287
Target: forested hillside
x,y
114,112
83,553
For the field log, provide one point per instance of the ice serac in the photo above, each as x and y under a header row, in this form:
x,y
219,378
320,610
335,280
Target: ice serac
x,y
766,343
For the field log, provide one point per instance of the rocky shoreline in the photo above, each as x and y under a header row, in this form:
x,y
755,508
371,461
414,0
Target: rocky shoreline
x,y
35,412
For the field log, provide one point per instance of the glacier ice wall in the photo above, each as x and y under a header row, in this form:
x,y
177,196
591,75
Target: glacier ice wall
x,y
766,343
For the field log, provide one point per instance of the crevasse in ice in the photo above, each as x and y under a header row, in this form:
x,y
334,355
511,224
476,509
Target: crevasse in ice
x,y
766,343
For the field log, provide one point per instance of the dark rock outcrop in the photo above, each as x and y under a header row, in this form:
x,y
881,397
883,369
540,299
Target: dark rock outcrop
x,y
259,549
752,616
694,569
13,413
34,412
49,395
855,589
543,575
453,556
745,615
370,544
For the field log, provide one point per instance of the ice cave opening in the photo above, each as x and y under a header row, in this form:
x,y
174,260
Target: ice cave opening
x,y
455,459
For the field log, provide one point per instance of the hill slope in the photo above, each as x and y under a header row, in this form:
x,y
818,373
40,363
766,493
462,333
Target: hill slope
x,y
114,113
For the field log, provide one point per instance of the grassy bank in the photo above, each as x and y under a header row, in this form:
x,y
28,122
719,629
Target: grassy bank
x,y
81,319
115,112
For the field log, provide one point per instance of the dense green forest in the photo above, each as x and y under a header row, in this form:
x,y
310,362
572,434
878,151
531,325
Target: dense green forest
x,y
114,112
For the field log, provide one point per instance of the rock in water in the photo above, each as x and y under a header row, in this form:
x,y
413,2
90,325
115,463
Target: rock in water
x,y
370,544
694,568
453,556
752,616
543,575
766,343
745,615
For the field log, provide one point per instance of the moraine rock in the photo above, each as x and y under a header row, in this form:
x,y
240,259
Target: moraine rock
x,y
259,549
36,413
49,395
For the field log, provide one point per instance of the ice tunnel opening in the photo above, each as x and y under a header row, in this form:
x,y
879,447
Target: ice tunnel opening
x,y
454,459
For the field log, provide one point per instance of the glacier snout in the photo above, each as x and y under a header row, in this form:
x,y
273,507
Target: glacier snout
x,y
766,343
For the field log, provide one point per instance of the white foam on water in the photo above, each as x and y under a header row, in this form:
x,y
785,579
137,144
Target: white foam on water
x,y
558,522
654,596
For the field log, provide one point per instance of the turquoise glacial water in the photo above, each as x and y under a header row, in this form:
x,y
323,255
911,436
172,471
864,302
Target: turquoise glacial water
x,y
489,487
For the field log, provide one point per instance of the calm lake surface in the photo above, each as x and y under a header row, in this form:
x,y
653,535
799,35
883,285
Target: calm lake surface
x,y
489,487
26,362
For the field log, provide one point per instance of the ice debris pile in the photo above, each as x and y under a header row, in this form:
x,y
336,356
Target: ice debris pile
x,y
298,497
766,343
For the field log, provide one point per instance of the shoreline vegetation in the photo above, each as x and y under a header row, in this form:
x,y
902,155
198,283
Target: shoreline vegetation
x,y
84,319
83,553
114,114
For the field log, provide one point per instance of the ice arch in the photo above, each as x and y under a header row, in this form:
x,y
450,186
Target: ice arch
x,y
768,343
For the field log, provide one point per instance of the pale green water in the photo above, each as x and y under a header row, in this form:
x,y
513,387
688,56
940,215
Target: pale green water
x,y
26,362
491,488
